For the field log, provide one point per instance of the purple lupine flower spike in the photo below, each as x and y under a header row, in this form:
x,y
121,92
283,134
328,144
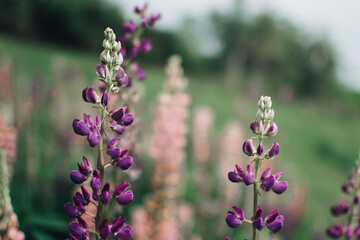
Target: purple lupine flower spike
x,y
122,196
248,147
235,218
249,175
258,222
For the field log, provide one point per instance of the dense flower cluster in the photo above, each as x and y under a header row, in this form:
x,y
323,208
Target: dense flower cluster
x,y
8,219
8,143
348,211
162,211
263,127
132,44
114,120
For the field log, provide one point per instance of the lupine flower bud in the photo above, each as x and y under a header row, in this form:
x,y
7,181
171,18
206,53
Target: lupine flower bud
x,y
340,208
274,222
267,181
145,46
122,196
77,177
79,229
253,126
105,194
272,129
258,222
105,99
120,230
346,188
248,147
95,182
80,127
124,163
129,27
153,19
235,218
260,149
274,151
71,211
100,70
249,175
104,230
139,72
236,176
279,186
114,142
336,231
94,138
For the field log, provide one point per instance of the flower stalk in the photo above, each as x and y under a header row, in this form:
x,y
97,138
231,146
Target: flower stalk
x,y
263,127
114,77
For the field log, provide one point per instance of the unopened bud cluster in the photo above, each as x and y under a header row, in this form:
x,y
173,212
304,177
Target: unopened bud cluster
x,y
347,211
263,127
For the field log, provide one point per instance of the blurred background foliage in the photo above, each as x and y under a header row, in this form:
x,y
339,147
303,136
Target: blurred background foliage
x,y
53,48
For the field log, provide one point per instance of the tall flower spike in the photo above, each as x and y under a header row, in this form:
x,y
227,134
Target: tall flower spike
x,y
349,227
112,77
264,128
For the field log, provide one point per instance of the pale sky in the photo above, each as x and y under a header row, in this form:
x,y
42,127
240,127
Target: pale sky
x,y
337,21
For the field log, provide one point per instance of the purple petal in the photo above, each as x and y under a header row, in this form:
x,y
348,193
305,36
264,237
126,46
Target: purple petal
x,y
231,220
114,152
279,187
258,223
271,216
93,140
248,147
80,127
266,174
77,177
123,163
95,182
234,177
104,230
276,225
76,229
125,198
71,211
274,151
267,183
124,233
128,119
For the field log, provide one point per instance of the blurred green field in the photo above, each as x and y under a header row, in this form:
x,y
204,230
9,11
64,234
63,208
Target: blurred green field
x,y
319,140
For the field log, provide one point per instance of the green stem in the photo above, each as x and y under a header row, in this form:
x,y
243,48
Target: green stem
x,y
101,162
256,187
102,171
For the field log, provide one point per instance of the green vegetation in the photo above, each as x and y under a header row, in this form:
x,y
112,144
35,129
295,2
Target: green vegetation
x,y
319,139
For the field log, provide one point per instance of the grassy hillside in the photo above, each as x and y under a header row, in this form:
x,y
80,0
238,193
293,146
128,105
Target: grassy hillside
x,y
319,140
